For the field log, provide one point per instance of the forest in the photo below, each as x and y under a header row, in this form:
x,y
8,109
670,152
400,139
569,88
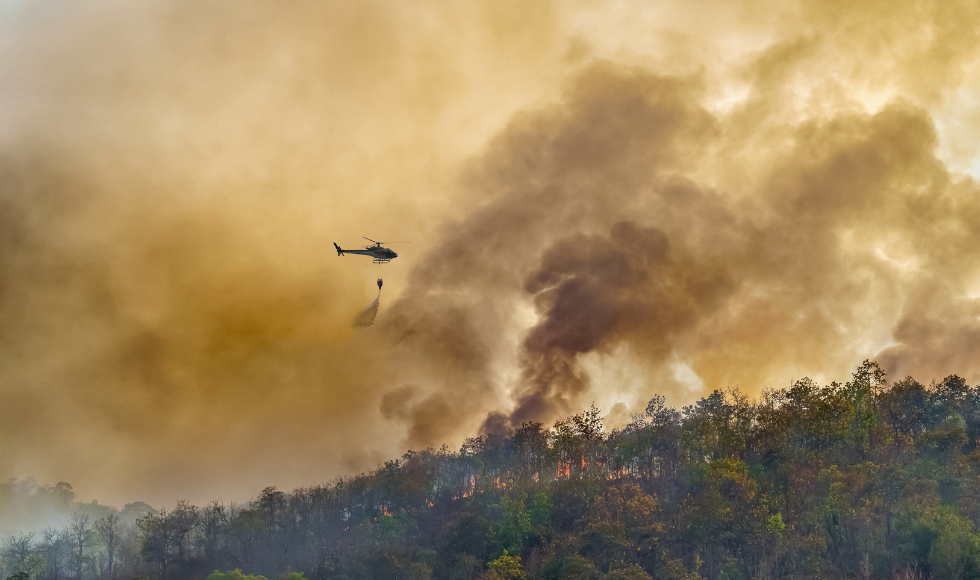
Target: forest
x,y
863,479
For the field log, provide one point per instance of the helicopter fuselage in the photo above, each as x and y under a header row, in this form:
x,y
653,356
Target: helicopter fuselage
x,y
380,254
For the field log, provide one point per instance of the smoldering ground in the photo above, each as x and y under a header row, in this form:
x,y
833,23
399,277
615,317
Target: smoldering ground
x,y
173,322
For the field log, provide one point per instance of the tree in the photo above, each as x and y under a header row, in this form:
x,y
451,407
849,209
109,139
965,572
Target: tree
x,y
576,567
16,550
541,512
956,547
515,524
507,567
157,540
866,384
212,528
79,533
675,570
56,549
906,408
108,530
531,445
246,528
235,574
631,572
835,509
129,561
179,523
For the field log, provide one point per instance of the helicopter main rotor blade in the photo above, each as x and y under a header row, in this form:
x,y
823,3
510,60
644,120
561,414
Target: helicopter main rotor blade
x,y
380,243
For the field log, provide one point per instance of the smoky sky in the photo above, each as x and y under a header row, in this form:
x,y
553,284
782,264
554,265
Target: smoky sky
x,y
604,203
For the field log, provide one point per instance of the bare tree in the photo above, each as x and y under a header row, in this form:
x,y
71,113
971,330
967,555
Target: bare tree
x,y
212,527
54,547
79,533
15,551
108,529
181,521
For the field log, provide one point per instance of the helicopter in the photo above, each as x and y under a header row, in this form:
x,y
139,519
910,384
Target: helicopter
x,y
381,255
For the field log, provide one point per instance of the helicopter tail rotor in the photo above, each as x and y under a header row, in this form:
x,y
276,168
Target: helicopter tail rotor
x,y
339,251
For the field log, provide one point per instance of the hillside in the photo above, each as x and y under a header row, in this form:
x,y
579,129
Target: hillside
x,y
863,479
